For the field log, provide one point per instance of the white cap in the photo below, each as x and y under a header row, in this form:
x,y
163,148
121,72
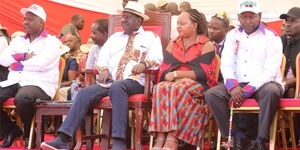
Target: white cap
x,y
249,5
35,9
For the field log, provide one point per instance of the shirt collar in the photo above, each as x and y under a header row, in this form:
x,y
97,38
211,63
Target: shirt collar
x,y
262,28
43,34
200,39
221,43
140,30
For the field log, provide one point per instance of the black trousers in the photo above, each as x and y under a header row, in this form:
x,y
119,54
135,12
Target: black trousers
x,y
89,96
267,95
25,98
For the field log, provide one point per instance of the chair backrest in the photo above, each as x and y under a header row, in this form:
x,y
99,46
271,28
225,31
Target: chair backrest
x,y
282,67
62,65
160,23
297,76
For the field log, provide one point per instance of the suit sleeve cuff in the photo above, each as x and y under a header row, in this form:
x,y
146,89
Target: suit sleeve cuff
x,y
231,83
249,90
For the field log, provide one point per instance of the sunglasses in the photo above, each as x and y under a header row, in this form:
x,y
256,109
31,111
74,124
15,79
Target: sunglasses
x,y
222,18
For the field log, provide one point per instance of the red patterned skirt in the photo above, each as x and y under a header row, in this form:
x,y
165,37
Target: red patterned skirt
x,y
177,108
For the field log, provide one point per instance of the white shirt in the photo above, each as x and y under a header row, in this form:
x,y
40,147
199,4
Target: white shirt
x,y
3,43
92,58
114,48
258,58
41,70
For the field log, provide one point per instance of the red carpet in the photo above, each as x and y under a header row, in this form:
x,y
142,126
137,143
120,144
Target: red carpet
x,y
49,137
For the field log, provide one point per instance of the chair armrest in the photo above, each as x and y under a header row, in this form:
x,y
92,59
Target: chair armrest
x,y
147,86
90,76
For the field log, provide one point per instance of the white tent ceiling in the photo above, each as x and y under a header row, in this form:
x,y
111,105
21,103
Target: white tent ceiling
x,y
271,8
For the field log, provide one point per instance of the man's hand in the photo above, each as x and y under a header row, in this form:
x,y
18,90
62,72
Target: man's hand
x,y
29,55
237,96
104,76
138,68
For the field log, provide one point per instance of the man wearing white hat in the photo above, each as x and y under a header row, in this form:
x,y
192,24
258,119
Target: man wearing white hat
x,y
250,65
33,70
124,57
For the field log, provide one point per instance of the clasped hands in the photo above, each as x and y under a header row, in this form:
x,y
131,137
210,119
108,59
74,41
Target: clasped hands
x,y
18,66
105,76
237,96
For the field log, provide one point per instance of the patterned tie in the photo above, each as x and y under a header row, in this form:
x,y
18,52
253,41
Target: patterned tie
x,y
126,57
218,49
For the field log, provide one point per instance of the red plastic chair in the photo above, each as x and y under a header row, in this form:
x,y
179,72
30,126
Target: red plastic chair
x,y
291,106
252,106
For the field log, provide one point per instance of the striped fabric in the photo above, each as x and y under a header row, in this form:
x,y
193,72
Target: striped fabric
x,y
176,107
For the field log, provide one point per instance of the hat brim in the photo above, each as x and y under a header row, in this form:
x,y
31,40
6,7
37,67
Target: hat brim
x,y
3,28
145,17
64,49
284,16
256,12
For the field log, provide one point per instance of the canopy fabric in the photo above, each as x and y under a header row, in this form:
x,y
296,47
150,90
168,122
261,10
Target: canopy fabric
x,y
58,15
59,12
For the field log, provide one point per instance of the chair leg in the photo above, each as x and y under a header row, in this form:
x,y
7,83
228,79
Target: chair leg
x,y
132,126
139,128
219,140
273,132
282,129
106,128
78,139
88,129
39,137
292,130
151,142
31,133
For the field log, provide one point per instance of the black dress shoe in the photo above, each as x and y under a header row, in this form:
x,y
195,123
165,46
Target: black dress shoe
x,y
13,133
257,146
2,137
241,144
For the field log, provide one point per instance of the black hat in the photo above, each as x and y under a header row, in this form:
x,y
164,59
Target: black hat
x,y
293,13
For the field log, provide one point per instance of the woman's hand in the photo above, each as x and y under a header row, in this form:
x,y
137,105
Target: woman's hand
x,y
170,76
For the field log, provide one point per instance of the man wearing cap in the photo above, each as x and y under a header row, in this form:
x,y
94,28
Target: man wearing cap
x,y
291,47
123,58
250,65
33,70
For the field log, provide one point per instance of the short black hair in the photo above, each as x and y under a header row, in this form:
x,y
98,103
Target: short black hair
x,y
76,17
102,25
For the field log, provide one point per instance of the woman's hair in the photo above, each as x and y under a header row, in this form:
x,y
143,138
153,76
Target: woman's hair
x,y
102,25
198,18
5,34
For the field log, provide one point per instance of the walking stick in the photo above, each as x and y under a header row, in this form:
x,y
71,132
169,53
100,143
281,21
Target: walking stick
x,y
230,125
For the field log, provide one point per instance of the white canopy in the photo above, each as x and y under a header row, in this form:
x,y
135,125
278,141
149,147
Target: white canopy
x,y
271,9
